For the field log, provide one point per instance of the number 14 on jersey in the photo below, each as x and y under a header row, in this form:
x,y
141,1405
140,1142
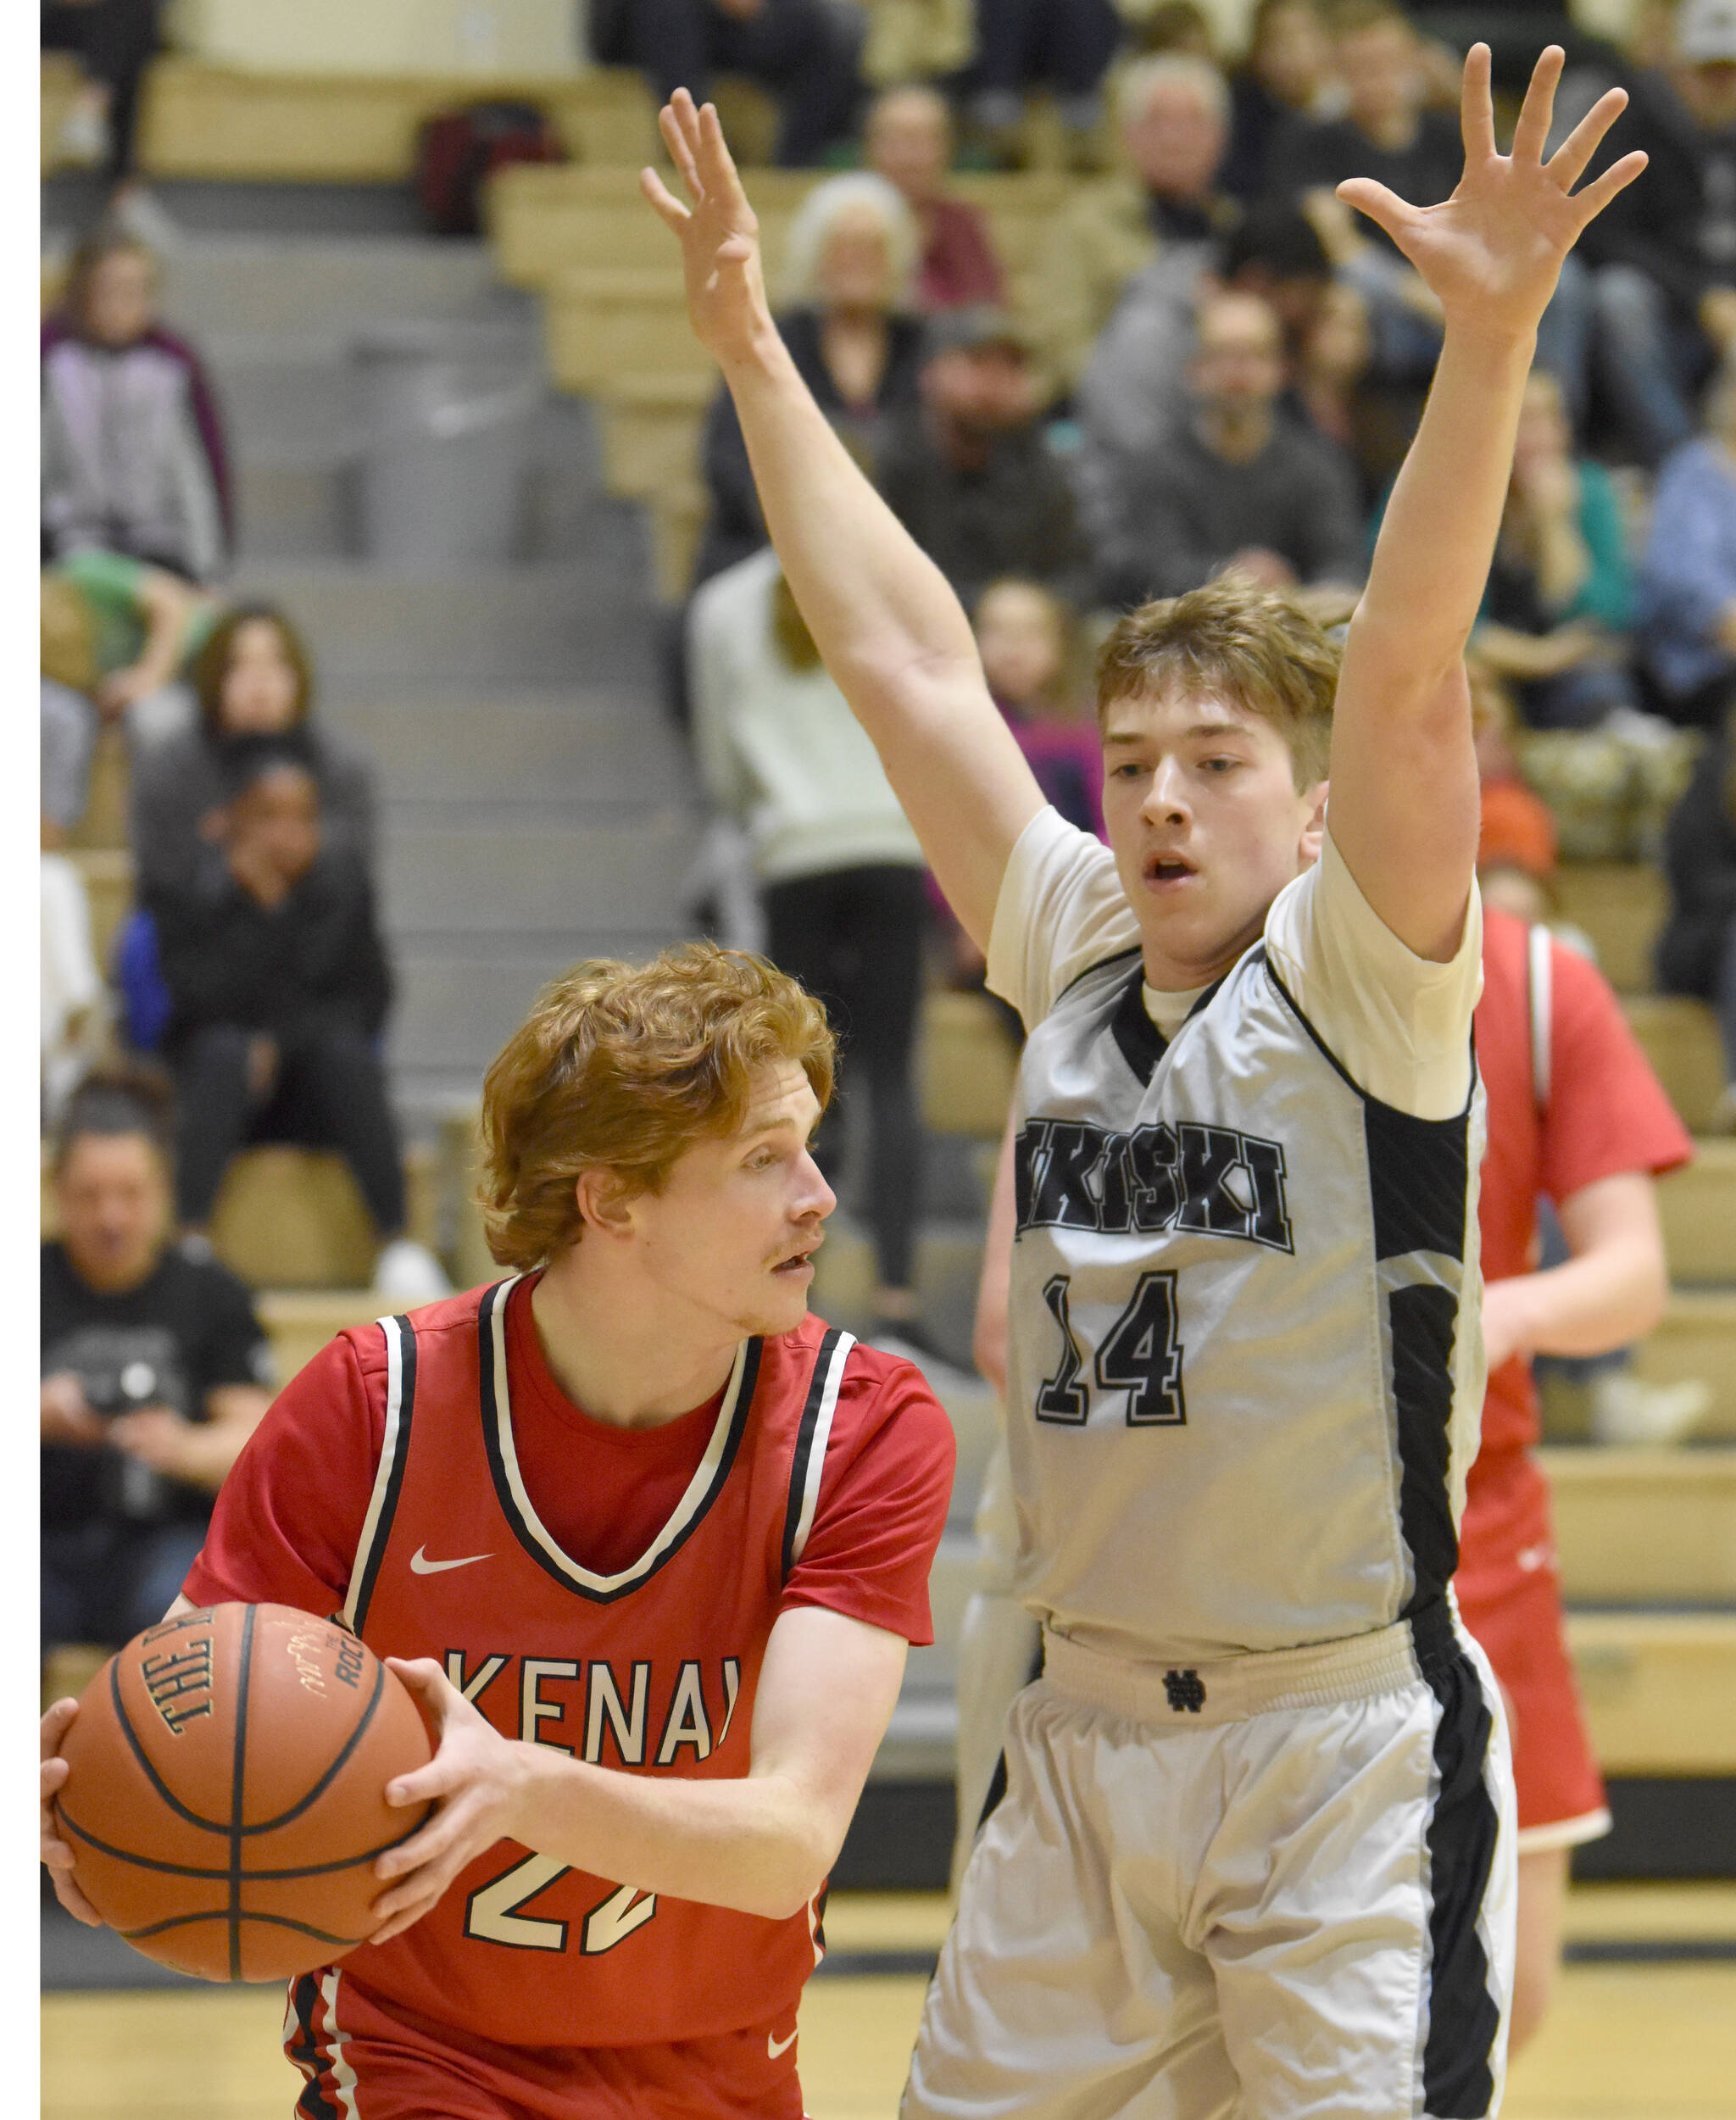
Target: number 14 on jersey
x,y
1140,1355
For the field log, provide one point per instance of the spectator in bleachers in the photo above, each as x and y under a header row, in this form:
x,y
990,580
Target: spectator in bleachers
x,y
1517,840
1239,484
115,41
968,472
908,140
804,52
155,1370
1174,112
1065,46
1134,388
279,988
1025,636
115,638
1686,601
71,1021
847,321
1559,598
133,454
1665,265
1289,72
253,680
1171,25
1336,389
1697,950
839,870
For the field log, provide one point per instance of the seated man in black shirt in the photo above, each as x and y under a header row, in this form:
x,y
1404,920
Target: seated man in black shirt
x,y
279,988
155,1370
968,472
1237,484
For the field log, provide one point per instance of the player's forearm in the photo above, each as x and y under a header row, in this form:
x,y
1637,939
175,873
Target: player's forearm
x,y
880,612
760,1844
1604,1300
1438,538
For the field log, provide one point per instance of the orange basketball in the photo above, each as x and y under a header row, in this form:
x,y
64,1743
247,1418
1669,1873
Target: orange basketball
x,y
227,1796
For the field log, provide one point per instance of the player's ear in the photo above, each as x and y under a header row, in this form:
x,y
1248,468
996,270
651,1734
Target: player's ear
x,y
605,1204
1314,831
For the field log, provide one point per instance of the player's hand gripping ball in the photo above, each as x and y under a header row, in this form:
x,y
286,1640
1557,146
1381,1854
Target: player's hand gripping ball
x,y
226,1799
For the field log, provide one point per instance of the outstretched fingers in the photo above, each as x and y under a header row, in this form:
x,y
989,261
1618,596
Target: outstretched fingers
x,y
1592,201
1384,207
1567,164
1537,113
678,121
669,208
1477,110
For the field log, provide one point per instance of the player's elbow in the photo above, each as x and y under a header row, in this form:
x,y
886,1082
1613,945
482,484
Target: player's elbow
x,y
1648,1288
797,1865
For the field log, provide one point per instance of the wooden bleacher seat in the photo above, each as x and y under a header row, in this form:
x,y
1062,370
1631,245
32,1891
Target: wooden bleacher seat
x,y
108,881
677,513
1697,1206
300,1320
292,1218
1660,1690
103,824
1635,1525
1697,1338
966,1064
651,432
205,120
1622,906
1680,1036
61,77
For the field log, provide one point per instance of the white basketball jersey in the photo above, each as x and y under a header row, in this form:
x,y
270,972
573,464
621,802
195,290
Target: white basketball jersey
x,y
1245,1370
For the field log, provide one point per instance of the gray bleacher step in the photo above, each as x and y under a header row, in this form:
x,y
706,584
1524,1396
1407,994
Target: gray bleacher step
x,y
494,743
570,620
921,1739
297,284
536,878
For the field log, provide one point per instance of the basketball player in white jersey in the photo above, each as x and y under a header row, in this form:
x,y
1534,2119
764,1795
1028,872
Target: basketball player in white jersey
x,y
1254,1853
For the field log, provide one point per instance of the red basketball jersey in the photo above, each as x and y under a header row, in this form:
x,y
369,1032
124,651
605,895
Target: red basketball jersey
x,y
652,1670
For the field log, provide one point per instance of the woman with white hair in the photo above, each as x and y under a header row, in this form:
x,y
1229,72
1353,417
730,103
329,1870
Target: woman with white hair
x,y
850,263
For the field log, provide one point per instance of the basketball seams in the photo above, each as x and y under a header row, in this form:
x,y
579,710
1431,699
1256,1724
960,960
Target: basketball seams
x,y
355,1736
248,1877
156,1781
238,1790
271,1921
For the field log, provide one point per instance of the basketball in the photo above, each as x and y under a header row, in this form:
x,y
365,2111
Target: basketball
x,y
227,1792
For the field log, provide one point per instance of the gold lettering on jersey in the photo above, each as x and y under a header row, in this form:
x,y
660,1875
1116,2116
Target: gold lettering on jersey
x,y
179,1682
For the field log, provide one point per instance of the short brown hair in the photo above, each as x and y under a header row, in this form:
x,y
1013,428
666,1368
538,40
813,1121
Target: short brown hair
x,y
211,664
623,1068
1257,646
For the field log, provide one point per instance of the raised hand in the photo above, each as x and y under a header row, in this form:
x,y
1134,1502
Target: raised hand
x,y
1492,253
717,231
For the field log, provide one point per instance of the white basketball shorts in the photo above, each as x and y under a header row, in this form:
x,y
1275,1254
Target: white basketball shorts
x,y
1279,1885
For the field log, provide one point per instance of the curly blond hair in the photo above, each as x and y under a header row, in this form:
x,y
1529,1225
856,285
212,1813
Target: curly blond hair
x,y
623,1068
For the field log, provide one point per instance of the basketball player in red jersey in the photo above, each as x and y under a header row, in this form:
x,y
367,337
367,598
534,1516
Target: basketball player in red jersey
x,y
648,1542
1575,1113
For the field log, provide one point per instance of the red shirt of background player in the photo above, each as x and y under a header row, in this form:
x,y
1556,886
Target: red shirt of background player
x,y
1605,1114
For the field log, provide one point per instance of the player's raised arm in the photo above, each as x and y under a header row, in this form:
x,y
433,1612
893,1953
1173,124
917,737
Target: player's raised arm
x,y
891,630
1403,811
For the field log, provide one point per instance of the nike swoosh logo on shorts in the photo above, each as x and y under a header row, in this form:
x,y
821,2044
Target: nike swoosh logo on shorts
x,y
421,1564
774,2047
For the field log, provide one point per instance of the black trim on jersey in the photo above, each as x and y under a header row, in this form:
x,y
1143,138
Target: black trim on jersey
x,y
1419,1180
1258,953
1424,1321
1133,950
503,1486
1463,2019
1142,1045
394,1484
804,1444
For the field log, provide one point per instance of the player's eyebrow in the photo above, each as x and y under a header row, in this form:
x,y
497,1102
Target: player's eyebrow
x,y
1129,739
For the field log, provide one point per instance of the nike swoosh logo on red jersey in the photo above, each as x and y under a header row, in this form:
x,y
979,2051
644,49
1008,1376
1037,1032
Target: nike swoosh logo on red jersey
x,y
421,1564
774,2047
